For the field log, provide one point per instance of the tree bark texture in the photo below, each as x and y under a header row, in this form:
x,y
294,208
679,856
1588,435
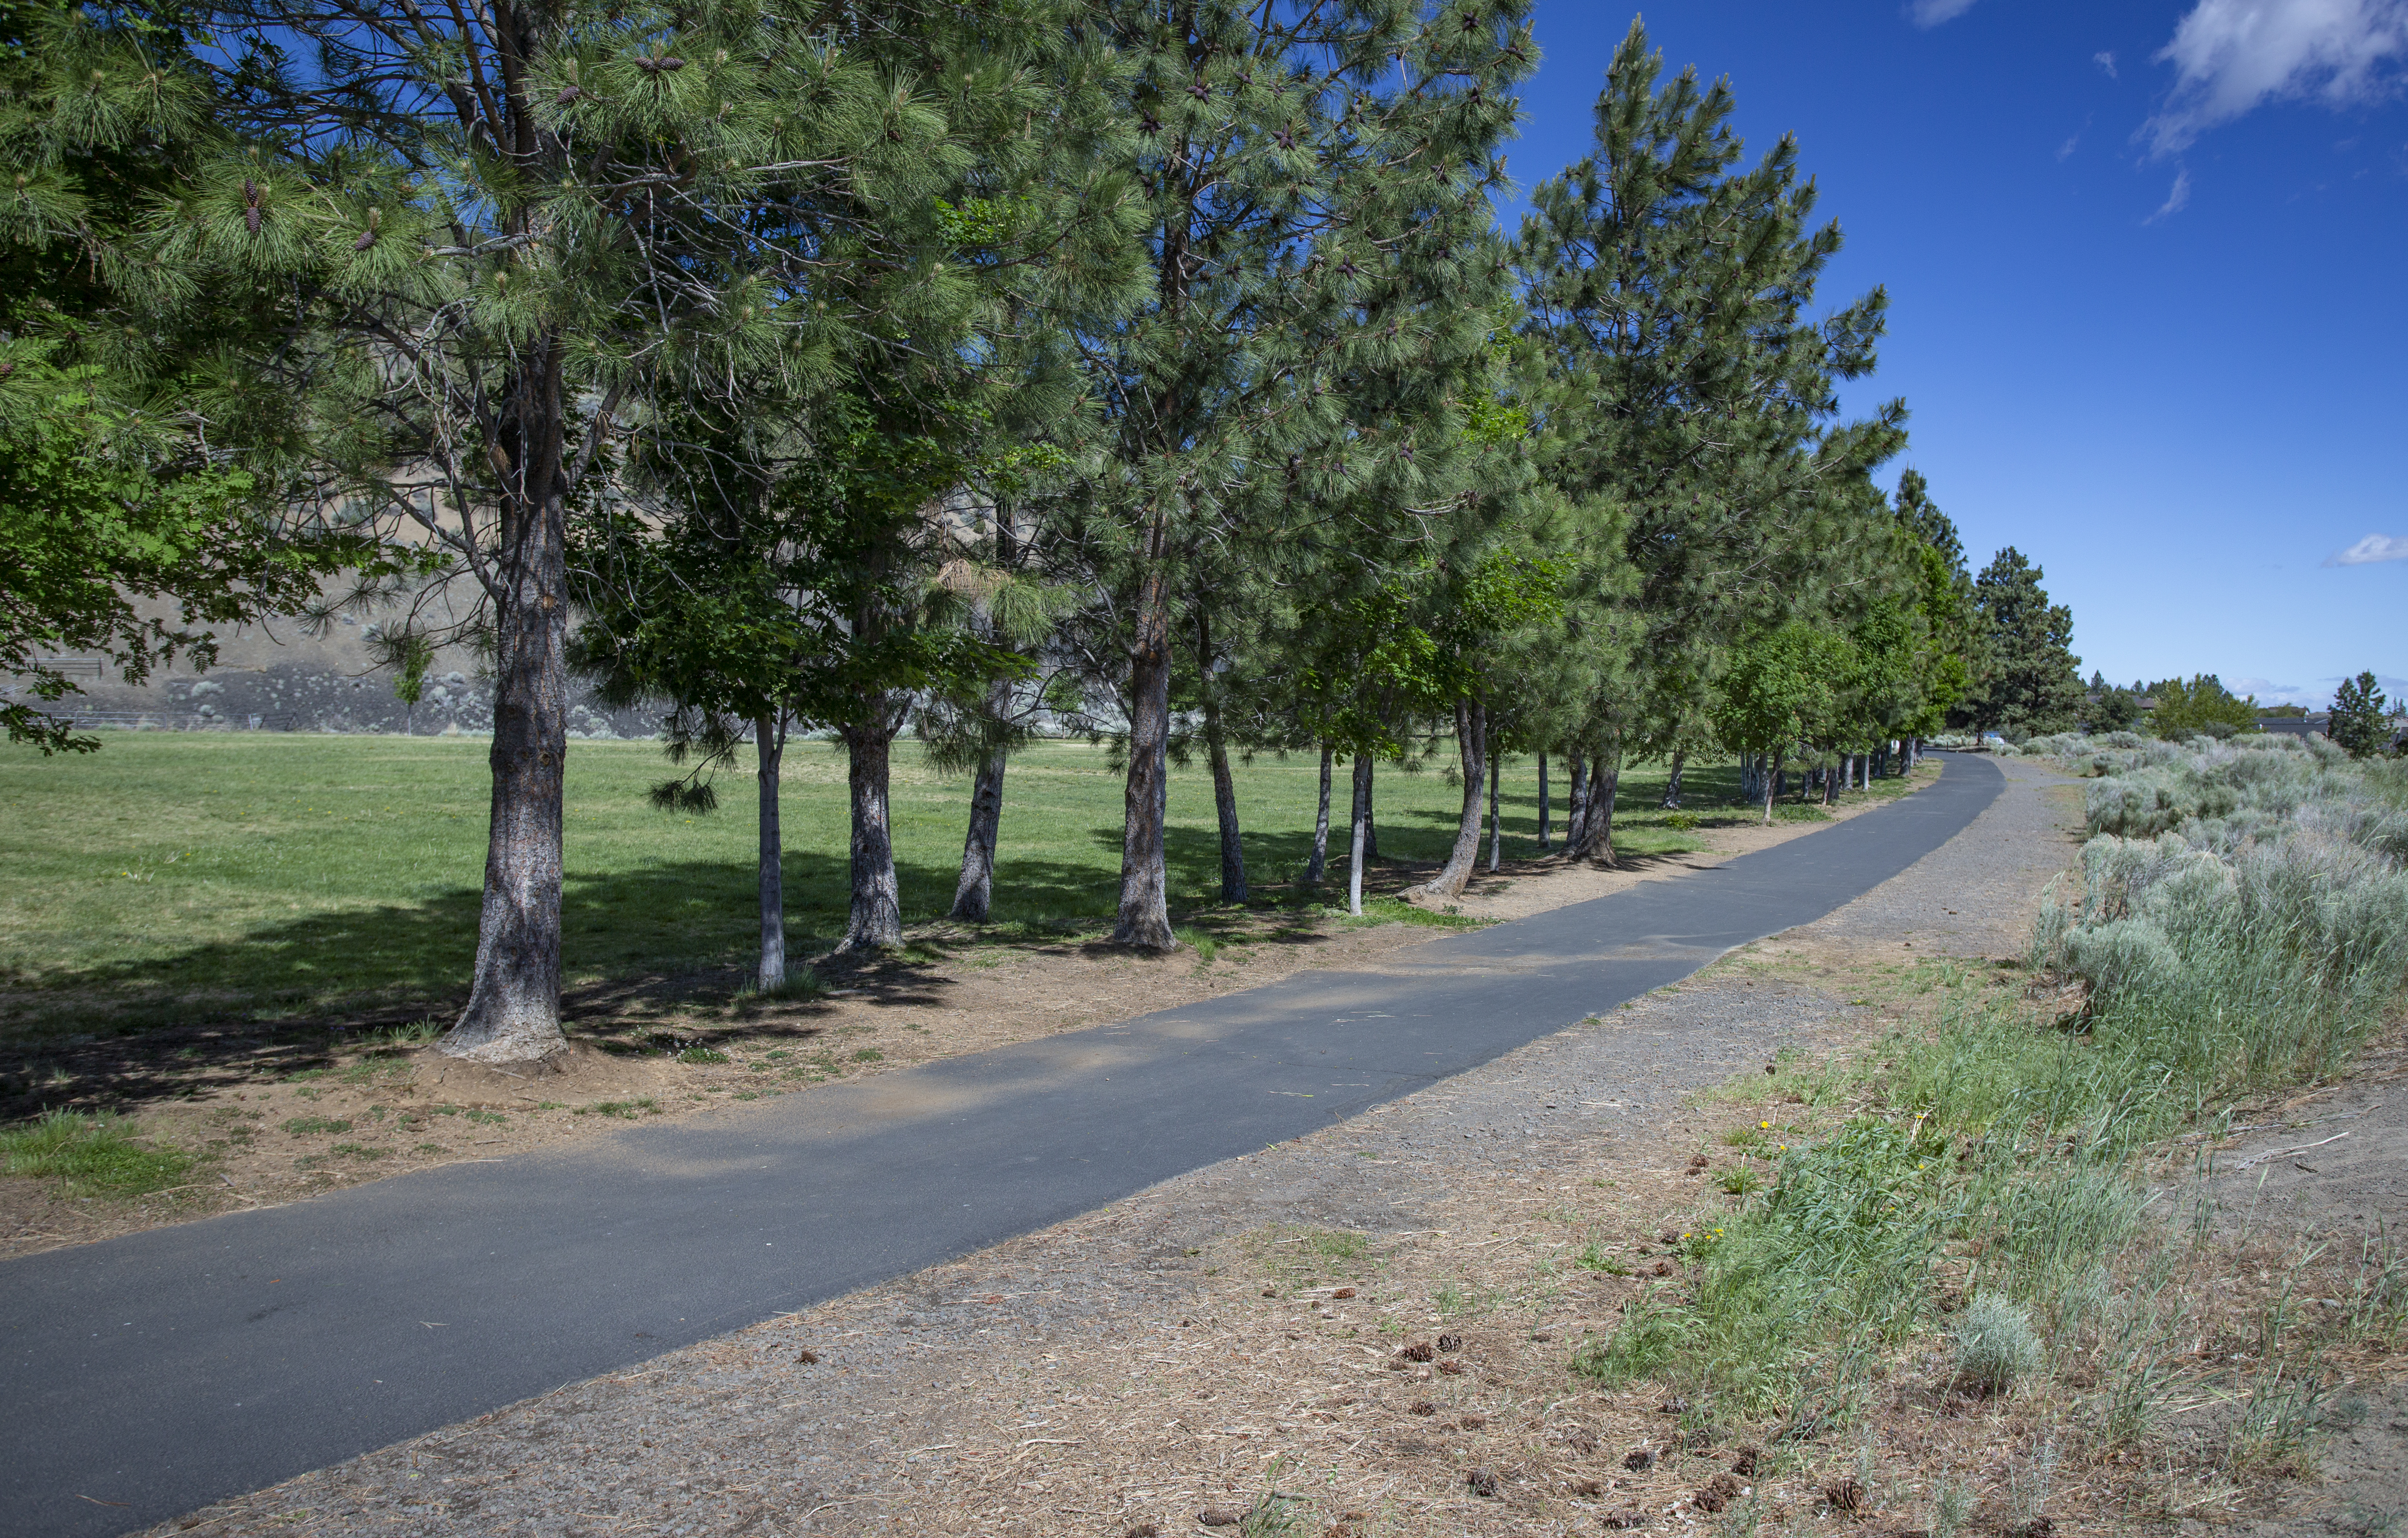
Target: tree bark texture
x,y
1144,917
974,894
1771,786
770,750
1224,806
513,1011
1575,805
876,921
1470,736
1543,804
1495,830
1672,801
1361,823
1319,864
1597,828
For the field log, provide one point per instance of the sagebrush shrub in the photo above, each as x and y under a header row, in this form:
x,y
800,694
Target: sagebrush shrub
x,y
1995,1345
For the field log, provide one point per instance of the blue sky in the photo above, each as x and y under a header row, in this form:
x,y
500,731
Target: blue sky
x,y
2148,277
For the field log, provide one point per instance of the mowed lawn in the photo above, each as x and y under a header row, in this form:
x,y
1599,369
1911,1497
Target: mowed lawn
x,y
274,875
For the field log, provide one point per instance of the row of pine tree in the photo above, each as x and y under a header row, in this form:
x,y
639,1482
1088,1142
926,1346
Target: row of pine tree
x,y
973,367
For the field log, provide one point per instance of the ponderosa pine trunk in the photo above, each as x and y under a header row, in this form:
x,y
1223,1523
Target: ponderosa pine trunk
x,y
769,751
1495,830
1672,801
974,894
1319,864
1224,784
513,1010
875,920
1543,804
1575,805
1597,828
1472,743
1144,917
1357,842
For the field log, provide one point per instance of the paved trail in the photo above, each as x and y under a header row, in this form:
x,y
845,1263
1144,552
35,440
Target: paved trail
x,y
148,1375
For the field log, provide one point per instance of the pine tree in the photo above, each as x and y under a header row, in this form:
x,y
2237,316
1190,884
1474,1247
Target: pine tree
x,y
1694,406
517,229
115,503
1283,148
2031,682
2360,723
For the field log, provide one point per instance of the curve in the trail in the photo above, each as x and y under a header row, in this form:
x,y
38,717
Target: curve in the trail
x,y
146,1376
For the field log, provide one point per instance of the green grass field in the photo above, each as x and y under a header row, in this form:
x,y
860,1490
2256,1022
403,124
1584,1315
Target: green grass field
x,y
272,876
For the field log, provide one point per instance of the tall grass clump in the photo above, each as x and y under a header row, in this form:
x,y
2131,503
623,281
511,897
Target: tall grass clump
x,y
89,1153
2252,937
2240,920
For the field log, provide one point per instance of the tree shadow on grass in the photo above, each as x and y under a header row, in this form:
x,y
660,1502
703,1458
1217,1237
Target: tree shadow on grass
x,y
639,949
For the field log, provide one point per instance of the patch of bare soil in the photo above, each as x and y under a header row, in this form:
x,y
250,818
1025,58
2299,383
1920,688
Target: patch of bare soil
x,y
279,1117
2321,1177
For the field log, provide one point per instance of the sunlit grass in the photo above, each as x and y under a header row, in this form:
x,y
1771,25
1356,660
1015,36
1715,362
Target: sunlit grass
x,y
268,876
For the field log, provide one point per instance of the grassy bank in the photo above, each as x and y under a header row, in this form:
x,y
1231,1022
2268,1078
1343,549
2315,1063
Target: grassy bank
x,y
1994,1188
271,877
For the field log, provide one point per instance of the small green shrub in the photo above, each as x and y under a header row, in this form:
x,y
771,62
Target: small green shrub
x,y
89,1153
1194,939
1995,1345
1648,1340
869,1054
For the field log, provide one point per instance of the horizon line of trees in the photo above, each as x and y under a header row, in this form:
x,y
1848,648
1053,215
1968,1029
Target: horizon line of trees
x,y
858,367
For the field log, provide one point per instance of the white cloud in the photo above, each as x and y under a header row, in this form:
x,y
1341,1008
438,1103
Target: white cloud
x,y
2177,199
2270,692
2065,150
2105,60
2230,56
2367,551
1930,13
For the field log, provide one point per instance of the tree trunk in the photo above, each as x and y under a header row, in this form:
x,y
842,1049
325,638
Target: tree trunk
x,y
1470,736
1543,804
1225,803
769,747
1361,821
1597,829
876,922
1672,783
1144,917
1496,829
974,894
513,1012
1371,810
1771,785
1575,805
1319,866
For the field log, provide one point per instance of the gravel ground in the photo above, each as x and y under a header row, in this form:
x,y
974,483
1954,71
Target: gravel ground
x,y
1973,895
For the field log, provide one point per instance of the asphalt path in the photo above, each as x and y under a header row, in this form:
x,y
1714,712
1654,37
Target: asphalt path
x,y
148,1375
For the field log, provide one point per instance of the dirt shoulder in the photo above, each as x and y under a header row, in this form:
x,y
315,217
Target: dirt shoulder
x,y
275,1117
